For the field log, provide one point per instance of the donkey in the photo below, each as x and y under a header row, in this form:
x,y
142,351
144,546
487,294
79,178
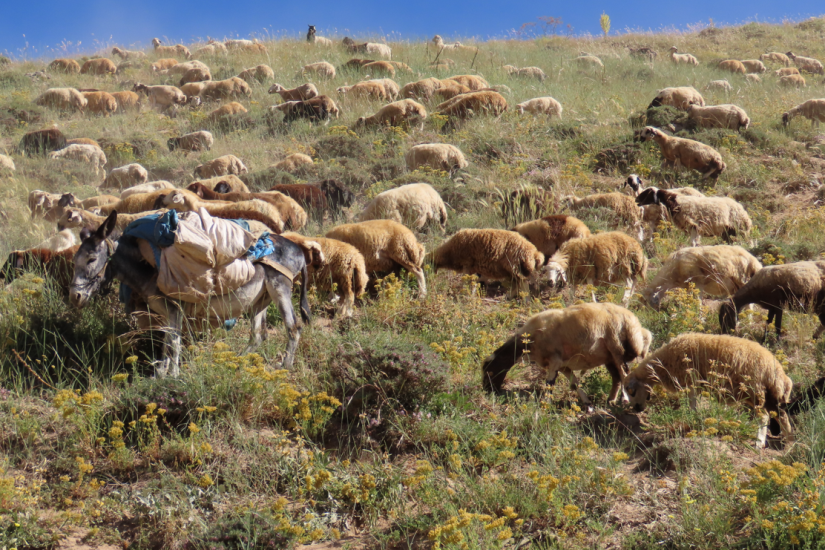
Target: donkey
x,y
100,260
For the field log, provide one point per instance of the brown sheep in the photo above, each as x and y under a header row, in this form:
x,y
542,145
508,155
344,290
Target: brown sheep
x,y
224,112
733,65
100,103
394,114
177,49
474,82
364,89
65,66
99,66
550,232
164,64
127,101
473,104
195,75
380,67
231,88
300,93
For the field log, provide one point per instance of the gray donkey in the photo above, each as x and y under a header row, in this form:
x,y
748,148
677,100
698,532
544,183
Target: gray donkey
x,y
99,261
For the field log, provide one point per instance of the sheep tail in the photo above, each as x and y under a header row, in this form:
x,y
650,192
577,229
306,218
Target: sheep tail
x,y
496,366
305,313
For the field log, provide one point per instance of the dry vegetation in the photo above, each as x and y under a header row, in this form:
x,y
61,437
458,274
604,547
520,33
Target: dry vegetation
x,y
381,437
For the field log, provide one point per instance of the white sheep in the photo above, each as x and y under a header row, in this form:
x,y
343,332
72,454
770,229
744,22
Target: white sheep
x,y
89,154
177,49
148,187
701,216
259,73
682,152
126,176
743,370
221,166
682,58
495,255
722,85
570,340
586,61
753,78
415,205
193,141
601,259
59,241
127,54
439,43
438,156
733,66
809,64
813,110
183,68
525,72
717,271
386,246
65,99
727,116
540,106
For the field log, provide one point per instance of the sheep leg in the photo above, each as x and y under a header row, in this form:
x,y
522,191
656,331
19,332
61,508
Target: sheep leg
x,y
346,308
630,287
692,398
694,237
422,282
762,432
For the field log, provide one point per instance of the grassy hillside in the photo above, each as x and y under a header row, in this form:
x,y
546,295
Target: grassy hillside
x,y
381,437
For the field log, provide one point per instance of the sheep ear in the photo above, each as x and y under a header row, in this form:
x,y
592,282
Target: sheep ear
x,y
177,198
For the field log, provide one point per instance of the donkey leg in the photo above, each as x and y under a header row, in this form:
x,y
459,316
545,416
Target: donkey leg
x,y
280,292
258,334
170,365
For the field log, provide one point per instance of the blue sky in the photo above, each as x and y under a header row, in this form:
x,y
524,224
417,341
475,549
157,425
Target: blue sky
x,y
48,23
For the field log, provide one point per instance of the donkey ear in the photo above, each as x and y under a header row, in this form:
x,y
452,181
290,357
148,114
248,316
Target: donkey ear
x,y
106,227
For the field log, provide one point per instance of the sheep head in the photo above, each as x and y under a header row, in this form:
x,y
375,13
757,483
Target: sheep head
x,y
275,88
556,268
156,42
634,182
222,188
637,391
72,217
650,133
786,118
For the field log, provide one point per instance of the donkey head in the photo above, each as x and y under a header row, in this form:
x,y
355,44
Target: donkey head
x,y
90,263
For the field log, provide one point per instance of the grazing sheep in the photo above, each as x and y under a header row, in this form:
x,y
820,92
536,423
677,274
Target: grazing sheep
x,y
746,372
161,97
314,109
63,99
148,187
89,154
525,72
733,66
808,64
127,101
192,89
100,103
540,106
449,90
786,71
6,164
301,93
343,273
258,73
387,246
292,214
439,43
380,68
127,54
700,216
652,214
163,64
41,202
722,85
796,286
177,49
691,154
681,58
183,68
368,47
40,142
225,184
310,197
99,66
718,271
69,66
403,67
394,114
422,89
601,259
813,110
793,81
195,75
194,141
293,162
473,104
391,89
439,156
623,206
221,166
776,57
681,98
338,196
588,62
58,242
367,89
59,266
231,88
321,70
212,48
754,66
356,64
224,112
752,78
577,338
126,176
495,255
415,205
719,116
549,233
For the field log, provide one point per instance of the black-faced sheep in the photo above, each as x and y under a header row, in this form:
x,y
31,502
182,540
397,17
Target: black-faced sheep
x,y
570,340
718,271
393,114
796,286
700,216
549,233
681,98
495,255
439,156
387,246
194,141
415,205
681,58
601,259
315,39
682,152
744,370
813,110
719,116
652,214
343,272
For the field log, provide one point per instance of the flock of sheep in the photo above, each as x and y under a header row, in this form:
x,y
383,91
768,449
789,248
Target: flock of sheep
x,y
558,248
